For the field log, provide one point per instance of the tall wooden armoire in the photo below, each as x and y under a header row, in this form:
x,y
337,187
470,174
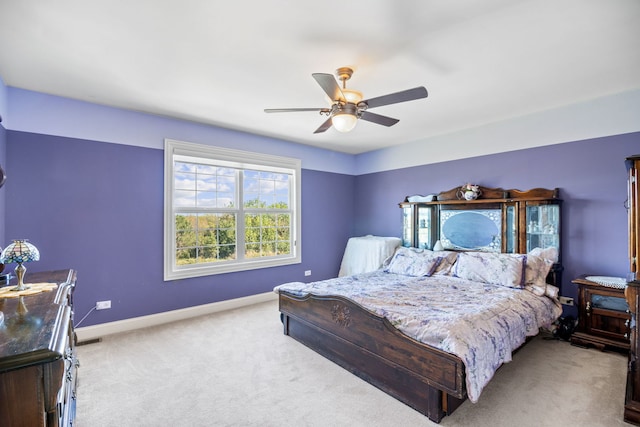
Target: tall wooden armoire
x,y
632,292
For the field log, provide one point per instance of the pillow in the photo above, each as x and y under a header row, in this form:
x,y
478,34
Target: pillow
x,y
539,262
492,268
536,290
546,253
445,267
413,262
552,291
537,271
546,290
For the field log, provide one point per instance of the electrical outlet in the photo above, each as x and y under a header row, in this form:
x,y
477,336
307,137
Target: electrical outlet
x,y
307,272
103,305
566,300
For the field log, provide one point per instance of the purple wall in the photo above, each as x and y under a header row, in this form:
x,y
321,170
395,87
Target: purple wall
x,y
590,174
98,208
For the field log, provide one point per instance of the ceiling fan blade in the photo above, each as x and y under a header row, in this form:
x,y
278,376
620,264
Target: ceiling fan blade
x,y
377,118
323,127
394,98
329,84
289,110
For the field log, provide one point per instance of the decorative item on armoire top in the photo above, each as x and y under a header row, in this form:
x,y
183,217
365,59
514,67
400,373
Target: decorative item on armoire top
x,y
469,192
420,198
20,251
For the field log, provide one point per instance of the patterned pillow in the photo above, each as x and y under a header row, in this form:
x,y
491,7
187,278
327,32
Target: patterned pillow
x,y
547,253
539,262
546,290
413,262
551,291
536,290
493,268
445,268
537,270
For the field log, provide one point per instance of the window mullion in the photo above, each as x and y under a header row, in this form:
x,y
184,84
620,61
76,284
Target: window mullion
x,y
240,236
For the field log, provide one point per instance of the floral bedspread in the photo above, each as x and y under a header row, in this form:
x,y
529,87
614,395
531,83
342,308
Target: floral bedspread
x,y
480,323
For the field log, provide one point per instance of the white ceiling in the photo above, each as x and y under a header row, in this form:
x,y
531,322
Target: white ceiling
x,y
223,62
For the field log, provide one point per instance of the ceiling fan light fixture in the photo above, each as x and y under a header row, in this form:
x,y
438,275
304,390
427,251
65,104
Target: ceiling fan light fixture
x,y
344,122
352,96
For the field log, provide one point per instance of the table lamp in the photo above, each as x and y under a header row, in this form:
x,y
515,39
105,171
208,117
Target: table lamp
x,y
19,251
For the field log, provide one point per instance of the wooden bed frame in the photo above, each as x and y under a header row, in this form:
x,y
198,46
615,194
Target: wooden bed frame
x,y
427,379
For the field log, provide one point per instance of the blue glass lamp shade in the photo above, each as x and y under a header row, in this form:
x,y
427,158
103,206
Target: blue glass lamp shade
x,y
20,251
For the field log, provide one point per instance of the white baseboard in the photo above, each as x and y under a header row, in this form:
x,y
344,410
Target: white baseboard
x,y
97,331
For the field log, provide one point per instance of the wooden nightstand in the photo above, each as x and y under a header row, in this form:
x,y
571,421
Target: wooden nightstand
x,y
603,316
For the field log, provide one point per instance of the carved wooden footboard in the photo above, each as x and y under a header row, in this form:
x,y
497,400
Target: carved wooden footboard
x,y
427,379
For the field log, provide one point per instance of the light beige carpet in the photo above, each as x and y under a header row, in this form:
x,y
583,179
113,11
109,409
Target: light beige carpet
x,y
237,368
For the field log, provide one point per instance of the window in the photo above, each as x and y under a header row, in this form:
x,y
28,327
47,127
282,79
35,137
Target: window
x,y
228,210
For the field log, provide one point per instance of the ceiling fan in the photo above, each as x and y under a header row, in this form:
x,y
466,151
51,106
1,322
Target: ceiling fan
x,y
347,106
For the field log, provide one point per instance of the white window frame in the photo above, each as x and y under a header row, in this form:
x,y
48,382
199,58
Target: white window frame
x,y
238,159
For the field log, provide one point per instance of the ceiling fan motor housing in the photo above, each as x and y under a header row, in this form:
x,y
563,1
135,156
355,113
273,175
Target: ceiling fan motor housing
x,y
345,108
344,74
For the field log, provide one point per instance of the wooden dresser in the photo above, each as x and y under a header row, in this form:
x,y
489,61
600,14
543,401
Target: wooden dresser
x,y
632,292
38,362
